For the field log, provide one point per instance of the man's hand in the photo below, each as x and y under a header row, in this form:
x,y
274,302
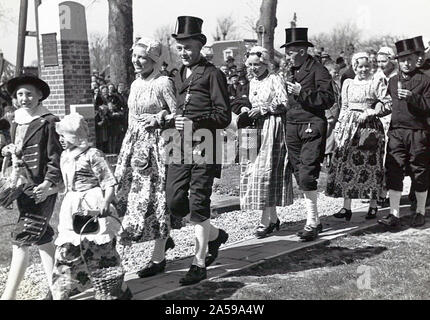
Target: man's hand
x,y
41,191
180,123
294,88
8,150
404,94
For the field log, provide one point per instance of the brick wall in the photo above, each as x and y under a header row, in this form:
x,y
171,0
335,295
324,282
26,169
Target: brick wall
x,y
70,81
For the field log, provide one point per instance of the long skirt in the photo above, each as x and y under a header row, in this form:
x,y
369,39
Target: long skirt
x,y
356,173
141,197
266,181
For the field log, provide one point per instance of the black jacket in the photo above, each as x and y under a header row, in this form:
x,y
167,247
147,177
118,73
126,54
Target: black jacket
x,y
41,149
316,94
209,106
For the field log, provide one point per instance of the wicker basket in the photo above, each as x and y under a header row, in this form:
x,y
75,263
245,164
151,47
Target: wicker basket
x,y
107,283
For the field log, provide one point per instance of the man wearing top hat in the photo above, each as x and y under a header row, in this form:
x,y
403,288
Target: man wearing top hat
x,y
424,67
310,94
202,103
409,134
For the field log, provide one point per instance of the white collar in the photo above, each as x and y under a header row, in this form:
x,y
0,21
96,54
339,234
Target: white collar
x,y
26,115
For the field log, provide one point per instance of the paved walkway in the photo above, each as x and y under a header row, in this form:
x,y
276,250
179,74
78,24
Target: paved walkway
x,y
247,253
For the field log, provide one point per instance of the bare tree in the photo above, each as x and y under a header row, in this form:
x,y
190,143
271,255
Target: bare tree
x,y
226,29
120,40
341,36
99,51
266,25
251,19
164,35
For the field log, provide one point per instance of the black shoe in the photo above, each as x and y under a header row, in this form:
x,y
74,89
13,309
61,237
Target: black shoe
x,y
418,220
383,202
309,234
170,244
390,221
126,295
194,275
274,226
152,269
371,214
343,213
263,231
319,229
213,247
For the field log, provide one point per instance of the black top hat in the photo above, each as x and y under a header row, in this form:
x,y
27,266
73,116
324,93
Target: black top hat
x,y
419,43
189,27
406,47
14,83
296,36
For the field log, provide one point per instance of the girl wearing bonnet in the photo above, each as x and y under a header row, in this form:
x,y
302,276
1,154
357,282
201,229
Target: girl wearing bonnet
x,y
89,190
357,171
266,181
140,170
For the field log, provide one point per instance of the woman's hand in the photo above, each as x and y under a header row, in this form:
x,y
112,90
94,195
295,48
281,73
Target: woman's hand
x,y
244,109
161,116
254,113
151,124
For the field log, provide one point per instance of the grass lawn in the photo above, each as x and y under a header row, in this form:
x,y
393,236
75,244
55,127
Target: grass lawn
x,y
373,265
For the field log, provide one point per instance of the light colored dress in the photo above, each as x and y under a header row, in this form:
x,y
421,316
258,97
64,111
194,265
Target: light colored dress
x,y
86,175
266,181
356,173
140,170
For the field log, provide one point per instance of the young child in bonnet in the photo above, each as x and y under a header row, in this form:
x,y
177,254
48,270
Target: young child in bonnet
x,y
89,190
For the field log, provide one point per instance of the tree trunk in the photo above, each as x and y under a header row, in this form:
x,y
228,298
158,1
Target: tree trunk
x,y
266,25
120,41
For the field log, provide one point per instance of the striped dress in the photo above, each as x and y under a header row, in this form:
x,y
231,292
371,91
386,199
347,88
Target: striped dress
x,y
266,180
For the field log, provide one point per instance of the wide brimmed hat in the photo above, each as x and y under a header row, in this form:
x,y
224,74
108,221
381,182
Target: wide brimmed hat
x,y
296,36
406,47
14,83
189,27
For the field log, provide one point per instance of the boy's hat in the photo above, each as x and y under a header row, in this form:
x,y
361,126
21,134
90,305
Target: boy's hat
x,y
14,83
406,47
189,27
74,129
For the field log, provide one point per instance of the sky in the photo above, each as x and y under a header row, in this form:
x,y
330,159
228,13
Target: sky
x,y
373,17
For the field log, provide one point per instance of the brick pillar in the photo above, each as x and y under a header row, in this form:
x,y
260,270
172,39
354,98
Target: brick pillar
x,y
65,58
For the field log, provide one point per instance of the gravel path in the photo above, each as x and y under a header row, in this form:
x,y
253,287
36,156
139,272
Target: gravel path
x,y
239,224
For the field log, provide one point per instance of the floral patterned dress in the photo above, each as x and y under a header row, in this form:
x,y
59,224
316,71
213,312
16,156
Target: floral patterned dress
x,y
140,171
357,173
266,181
